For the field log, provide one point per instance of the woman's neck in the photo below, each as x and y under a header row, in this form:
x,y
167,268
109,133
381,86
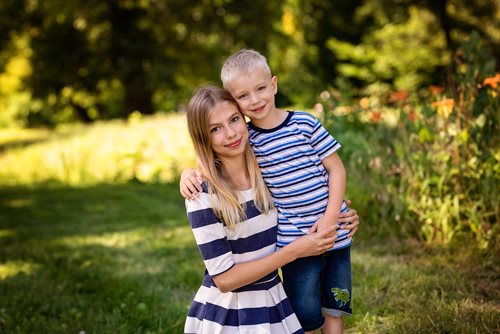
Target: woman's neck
x,y
237,172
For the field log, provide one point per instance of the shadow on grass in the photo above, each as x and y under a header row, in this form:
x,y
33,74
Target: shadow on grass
x,y
56,211
104,259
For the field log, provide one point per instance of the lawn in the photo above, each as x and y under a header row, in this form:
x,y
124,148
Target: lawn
x,y
122,259
94,239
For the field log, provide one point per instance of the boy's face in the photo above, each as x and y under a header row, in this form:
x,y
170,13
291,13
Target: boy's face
x,y
254,92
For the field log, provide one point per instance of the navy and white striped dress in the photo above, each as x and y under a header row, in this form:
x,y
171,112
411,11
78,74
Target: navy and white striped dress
x,y
260,307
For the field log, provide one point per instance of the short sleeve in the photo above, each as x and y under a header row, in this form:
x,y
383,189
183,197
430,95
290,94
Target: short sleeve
x,y
321,141
210,235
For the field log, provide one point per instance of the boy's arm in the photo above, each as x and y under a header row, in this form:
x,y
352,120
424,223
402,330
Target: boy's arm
x,y
190,183
336,190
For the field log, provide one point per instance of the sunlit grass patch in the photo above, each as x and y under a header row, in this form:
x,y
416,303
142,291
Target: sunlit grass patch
x,y
148,149
6,233
14,137
13,268
113,240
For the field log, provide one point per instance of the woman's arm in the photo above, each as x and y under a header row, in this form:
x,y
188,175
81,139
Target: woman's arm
x,y
245,273
350,217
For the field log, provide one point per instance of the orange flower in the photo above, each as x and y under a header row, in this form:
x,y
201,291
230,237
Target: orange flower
x,y
492,81
376,116
445,106
399,95
364,103
436,90
412,115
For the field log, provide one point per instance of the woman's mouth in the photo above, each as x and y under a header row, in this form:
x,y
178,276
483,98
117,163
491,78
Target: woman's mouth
x,y
234,144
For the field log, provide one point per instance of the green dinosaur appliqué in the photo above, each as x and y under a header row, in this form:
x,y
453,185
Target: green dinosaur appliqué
x,y
341,295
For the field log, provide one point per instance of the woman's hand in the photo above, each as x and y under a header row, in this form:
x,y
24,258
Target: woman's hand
x,y
351,219
315,243
190,183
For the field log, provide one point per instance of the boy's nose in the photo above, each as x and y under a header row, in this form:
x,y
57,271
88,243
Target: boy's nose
x,y
253,98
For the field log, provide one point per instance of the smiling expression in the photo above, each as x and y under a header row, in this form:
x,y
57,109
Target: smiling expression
x,y
254,92
228,130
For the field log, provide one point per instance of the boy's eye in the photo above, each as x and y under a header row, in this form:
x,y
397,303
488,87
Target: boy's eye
x,y
261,88
242,96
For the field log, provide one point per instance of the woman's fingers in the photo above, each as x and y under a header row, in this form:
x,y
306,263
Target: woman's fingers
x,y
353,231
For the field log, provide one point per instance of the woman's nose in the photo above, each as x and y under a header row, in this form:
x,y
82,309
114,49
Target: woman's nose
x,y
230,132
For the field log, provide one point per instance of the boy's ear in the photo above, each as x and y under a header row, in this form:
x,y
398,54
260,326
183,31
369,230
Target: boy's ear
x,y
274,81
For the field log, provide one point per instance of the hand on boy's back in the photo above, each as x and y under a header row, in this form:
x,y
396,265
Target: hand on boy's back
x,y
190,183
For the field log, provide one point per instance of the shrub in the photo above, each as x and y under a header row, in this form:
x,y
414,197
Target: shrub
x,y
430,160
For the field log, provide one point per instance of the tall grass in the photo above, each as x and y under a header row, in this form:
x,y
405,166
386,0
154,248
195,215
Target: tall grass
x,y
147,149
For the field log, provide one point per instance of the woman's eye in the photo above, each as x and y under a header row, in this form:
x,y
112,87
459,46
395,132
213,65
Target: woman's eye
x,y
235,119
214,129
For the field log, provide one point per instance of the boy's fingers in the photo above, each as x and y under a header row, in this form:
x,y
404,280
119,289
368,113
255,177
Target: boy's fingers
x,y
198,187
195,185
313,228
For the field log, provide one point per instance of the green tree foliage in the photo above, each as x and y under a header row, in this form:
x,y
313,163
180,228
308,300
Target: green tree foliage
x,y
409,43
105,59
89,60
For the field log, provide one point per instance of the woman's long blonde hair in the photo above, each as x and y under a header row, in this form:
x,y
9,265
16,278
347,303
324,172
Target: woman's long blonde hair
x,y
205,101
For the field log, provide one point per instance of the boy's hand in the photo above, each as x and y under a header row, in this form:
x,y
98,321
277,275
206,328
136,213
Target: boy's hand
x,y
190,183
322,224
351,218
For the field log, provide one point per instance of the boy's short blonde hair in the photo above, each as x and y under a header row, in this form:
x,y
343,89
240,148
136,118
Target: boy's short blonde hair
x,y
244,61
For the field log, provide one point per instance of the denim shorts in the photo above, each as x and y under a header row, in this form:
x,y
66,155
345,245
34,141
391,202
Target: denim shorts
x,y
319,285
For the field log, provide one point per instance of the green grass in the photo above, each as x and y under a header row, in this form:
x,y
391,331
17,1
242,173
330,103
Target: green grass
x,y
105,259
122,259
86,247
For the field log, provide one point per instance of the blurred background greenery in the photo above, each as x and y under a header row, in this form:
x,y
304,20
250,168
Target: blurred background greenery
x,y
410,86
92,101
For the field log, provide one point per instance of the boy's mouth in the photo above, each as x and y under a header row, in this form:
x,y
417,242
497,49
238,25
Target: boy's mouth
x,y
259,109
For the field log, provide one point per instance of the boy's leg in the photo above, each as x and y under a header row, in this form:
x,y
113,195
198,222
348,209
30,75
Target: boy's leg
x,y
336,290
302,283
333,325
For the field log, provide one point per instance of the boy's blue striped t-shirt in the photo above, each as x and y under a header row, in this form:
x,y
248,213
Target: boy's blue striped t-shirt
x,y
290,158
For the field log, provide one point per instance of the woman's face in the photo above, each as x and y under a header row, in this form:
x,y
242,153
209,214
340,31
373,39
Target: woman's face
x,y
228,130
